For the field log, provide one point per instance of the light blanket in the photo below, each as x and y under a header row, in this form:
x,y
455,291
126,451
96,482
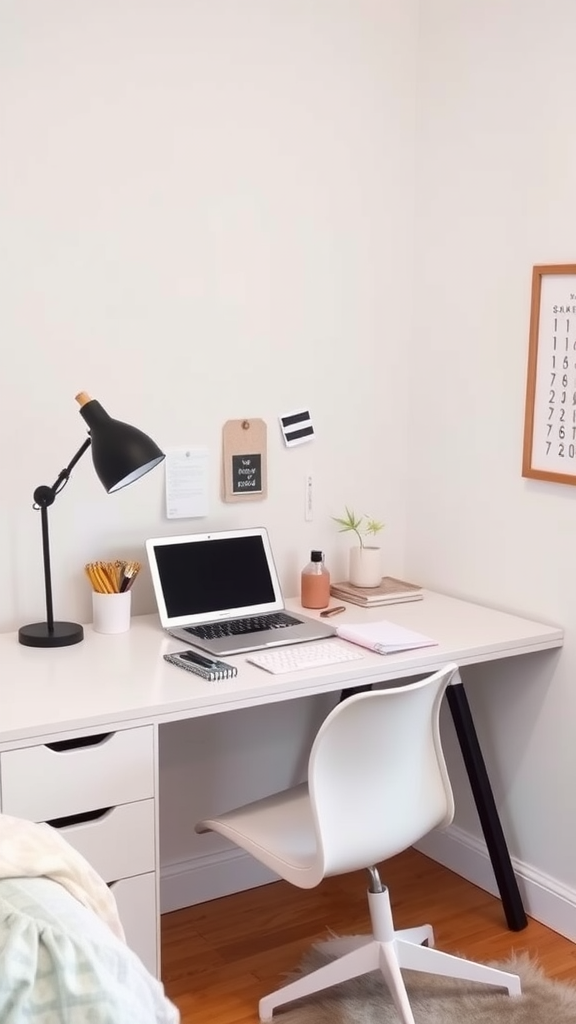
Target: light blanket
x,y
30,850
63,958
60,964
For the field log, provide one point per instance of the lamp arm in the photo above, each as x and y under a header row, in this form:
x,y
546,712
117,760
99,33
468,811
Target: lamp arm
x,y
44,497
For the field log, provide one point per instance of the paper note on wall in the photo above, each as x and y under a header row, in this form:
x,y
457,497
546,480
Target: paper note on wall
x,y
186,483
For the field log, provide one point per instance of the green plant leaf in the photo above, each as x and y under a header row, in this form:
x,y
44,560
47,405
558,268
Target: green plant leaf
x,y
348,522
360,525
373,526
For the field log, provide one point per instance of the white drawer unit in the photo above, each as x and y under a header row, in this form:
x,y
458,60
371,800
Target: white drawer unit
x,y
117,842
99,793
56,780
136,902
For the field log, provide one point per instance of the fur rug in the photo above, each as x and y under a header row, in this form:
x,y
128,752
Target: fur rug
x,y
435,1000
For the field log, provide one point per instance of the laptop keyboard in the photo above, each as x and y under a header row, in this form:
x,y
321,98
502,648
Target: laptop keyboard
x,y
235,627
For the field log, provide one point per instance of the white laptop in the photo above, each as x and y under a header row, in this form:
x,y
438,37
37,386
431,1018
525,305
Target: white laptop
x,y
220,592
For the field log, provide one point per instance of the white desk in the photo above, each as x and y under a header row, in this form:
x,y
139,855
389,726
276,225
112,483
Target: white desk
x,y
114,691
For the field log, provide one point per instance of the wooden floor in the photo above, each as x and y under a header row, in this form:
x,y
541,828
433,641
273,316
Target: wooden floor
x,y
218,958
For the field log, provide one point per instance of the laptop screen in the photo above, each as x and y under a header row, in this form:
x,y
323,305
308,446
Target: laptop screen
x,y
207,577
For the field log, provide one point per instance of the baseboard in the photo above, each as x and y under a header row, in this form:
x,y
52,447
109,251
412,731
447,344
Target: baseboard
x,y
545,899
185,883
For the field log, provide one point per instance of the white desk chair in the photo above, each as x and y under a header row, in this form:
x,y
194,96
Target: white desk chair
x,y
377,783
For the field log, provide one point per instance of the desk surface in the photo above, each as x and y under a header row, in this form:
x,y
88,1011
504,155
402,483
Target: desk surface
x,y
118,681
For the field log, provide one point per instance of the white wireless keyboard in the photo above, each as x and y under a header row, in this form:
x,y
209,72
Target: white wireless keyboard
x,y
295,657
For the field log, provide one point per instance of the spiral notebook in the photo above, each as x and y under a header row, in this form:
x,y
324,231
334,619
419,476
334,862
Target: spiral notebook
x,y
384,637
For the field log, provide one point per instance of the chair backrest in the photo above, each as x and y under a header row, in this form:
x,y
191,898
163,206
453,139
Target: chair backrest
x,y
376,775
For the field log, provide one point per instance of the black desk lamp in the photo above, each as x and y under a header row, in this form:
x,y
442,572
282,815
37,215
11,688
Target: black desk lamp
x,y
121,454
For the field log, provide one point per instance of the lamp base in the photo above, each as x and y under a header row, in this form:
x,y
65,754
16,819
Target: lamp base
x,y
37,634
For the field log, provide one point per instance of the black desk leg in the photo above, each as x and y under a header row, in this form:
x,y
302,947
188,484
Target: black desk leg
x,y
344,694
487,812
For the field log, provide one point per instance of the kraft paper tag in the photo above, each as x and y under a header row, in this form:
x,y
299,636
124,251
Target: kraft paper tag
x,y
244,456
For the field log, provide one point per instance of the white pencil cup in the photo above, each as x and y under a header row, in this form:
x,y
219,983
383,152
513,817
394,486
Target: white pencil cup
x,y
111,612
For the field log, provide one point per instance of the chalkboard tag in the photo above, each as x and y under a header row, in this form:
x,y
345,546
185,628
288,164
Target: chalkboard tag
x,y
244,456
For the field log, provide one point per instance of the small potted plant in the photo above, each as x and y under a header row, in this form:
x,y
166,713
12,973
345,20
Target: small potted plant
x,y
365,559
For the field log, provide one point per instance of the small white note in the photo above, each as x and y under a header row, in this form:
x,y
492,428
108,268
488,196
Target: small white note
x,y
297,427
186,483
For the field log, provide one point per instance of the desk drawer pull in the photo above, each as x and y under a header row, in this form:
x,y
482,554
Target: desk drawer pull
x,y
119,843
84,741
79,819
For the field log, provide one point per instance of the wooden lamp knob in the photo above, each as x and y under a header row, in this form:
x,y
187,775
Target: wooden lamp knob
x,y
83,398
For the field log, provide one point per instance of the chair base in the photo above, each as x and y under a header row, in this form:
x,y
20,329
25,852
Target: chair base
x,y
389,952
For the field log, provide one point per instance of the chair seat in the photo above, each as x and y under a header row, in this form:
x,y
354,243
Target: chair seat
x,y
279,831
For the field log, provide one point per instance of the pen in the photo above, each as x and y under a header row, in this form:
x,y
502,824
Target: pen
x,y
332,611
129,574
214,666
199,659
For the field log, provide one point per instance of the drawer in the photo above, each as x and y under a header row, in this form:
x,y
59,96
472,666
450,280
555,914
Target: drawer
x,y
136,902
118,842
58,779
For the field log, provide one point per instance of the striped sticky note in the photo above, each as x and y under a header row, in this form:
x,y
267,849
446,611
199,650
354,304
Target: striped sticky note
x,y
297,427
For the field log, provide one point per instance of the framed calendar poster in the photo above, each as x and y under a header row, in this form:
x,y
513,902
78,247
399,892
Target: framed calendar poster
x,y
550,416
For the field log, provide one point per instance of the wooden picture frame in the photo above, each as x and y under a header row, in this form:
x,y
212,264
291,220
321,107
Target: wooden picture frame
x,y
550,414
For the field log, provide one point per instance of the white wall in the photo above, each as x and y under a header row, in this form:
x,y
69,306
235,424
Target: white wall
x,y
496,161
206,212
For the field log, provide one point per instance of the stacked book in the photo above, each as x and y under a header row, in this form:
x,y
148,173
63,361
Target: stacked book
x,y
390,591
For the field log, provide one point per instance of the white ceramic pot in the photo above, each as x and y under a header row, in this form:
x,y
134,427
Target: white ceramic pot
x,y
365,566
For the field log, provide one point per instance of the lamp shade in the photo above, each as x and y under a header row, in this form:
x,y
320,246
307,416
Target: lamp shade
x,y
120,452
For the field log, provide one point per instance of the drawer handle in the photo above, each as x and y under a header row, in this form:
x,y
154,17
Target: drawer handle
x,y
78,819
84,741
